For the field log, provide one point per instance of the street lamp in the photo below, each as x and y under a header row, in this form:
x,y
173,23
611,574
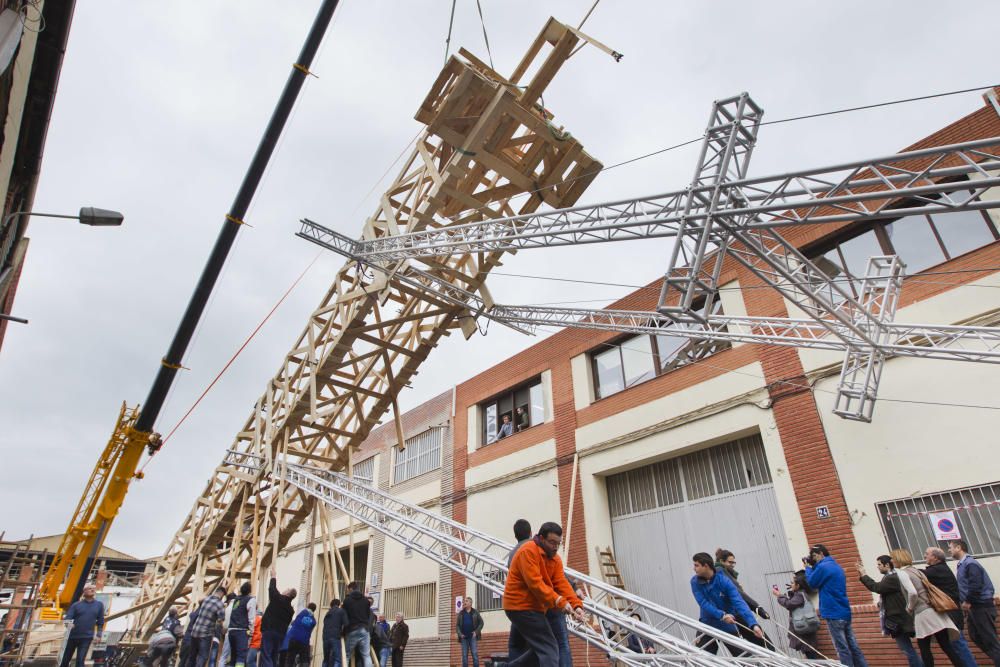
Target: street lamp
x,y
88,215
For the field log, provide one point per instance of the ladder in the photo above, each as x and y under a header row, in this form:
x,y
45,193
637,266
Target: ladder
x,y
613,576
480,557
17,613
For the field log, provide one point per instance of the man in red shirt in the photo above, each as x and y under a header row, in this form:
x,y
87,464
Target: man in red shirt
x,y
535,584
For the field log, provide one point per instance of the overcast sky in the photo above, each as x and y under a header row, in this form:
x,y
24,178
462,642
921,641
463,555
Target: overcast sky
x,y
161,105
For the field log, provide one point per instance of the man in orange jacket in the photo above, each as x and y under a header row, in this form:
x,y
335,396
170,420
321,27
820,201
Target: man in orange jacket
x,y
535,584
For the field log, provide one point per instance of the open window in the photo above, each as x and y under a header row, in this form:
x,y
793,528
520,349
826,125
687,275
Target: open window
x,y
513,411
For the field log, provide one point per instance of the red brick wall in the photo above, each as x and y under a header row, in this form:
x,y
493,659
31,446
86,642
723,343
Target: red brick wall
x,y
812,470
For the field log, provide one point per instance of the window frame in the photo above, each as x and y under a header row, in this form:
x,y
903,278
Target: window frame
x,y
673,362
510,394
969,513
412,443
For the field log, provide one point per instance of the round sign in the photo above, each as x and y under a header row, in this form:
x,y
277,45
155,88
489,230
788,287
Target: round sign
x,y
945,525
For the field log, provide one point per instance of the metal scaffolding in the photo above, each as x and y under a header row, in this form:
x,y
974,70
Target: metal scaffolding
x,y
482,558
725,215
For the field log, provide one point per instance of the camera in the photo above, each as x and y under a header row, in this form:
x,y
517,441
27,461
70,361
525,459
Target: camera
x,y
809,560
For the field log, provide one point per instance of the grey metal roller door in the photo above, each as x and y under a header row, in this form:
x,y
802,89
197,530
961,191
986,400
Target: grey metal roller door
x,y
664,513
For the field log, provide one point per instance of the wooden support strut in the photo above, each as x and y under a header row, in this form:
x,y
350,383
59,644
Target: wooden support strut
x,y
485,143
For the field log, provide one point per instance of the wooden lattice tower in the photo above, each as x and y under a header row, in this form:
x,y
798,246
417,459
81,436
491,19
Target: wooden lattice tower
x,y
487,144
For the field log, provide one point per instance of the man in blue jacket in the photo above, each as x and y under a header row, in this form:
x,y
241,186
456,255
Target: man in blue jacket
x,y
299,635
976,592
720,603
825,575
87,613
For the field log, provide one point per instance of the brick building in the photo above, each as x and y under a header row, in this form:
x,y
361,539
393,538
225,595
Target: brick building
x,y
679,447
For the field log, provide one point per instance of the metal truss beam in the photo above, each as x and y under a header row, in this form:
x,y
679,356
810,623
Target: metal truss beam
x,y
915,182
482,558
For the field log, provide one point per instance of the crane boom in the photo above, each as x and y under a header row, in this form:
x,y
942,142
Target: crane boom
x,y
116,468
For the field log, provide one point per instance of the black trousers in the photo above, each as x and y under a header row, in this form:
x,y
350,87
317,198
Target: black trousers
x,y
944,641
397,657
983,631
530,632
297,652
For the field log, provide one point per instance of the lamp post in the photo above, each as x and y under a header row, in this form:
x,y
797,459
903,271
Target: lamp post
x,y
88,215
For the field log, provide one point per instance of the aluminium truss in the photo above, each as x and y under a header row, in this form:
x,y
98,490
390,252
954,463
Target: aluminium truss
x,y
486,141
724,215
482,558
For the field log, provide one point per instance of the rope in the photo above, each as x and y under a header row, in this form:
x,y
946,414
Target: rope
x,y
486,38
587,15
236,354
451,22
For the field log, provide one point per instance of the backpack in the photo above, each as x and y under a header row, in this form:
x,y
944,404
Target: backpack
x,y
804,618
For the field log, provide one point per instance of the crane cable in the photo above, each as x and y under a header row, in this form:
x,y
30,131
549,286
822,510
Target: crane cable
x,y
237,353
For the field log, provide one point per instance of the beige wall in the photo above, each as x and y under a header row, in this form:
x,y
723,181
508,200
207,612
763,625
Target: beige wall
x,y
399,571
533,498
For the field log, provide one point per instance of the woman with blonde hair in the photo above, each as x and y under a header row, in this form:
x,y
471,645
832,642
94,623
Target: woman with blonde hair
x,y
927,621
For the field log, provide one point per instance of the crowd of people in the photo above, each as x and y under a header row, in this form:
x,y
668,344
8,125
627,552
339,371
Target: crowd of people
x,y
228,629
930,605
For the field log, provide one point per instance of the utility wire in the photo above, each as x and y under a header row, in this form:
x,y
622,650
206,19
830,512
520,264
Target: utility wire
x,y
695,140
909,279
579,335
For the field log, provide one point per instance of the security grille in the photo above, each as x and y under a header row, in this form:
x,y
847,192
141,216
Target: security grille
x,y
364,471
418,601
487,600
722,469
906,522
421,454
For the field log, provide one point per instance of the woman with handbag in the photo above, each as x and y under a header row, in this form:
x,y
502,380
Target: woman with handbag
x,y
797,603
896,619
924,601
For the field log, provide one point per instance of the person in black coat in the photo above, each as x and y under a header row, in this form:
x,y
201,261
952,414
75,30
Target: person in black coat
x,y
334,624
939,574
725,563
277,618
896,620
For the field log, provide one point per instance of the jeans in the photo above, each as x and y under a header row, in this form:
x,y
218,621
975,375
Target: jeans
x,y
846,644
252,657
201,647
906,646
270,642
383,655
534,636
331,653
470,646
80,646
227,652
239,644
962,650
360,638
557,622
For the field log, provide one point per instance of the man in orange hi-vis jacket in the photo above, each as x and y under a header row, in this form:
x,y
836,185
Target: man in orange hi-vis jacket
x,y
536,584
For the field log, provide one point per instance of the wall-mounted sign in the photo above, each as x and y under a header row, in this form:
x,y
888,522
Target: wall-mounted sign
x,y
823,512
458,604
944,526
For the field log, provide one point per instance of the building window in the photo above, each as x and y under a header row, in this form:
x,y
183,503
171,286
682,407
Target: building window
x,y
921,241
906,523
421,454
486,599
729,467
364,471
418,601
523,406
630,361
